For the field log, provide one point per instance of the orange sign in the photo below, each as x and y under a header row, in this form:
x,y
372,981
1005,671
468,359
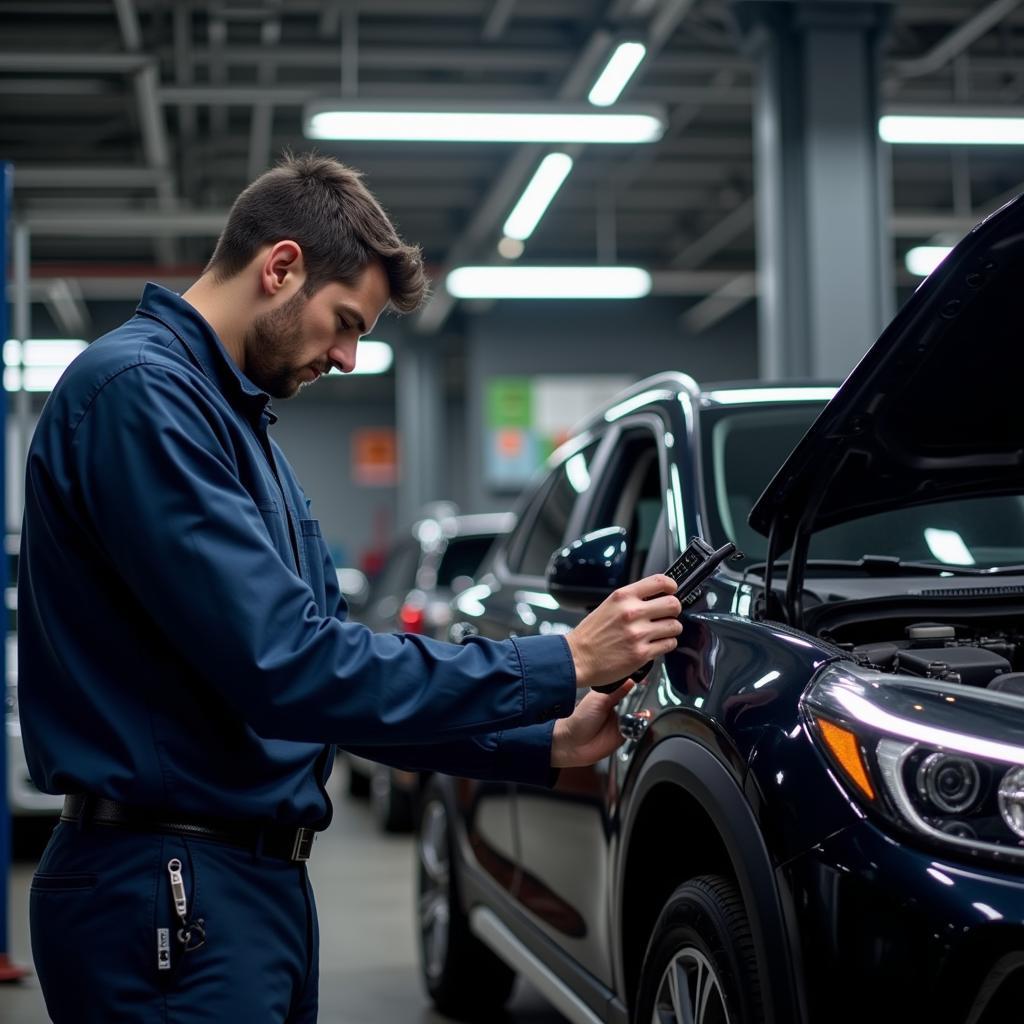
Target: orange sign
x,y
375,456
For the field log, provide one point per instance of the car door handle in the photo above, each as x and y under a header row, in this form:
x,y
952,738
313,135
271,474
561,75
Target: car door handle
x,y
635,724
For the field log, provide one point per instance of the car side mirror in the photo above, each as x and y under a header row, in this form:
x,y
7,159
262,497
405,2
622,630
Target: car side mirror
x,y
582,574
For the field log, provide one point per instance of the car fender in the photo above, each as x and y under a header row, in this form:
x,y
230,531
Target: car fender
x,y
690,766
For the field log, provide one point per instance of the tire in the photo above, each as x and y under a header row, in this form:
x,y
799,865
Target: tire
x,y
462,976
392,807
702,936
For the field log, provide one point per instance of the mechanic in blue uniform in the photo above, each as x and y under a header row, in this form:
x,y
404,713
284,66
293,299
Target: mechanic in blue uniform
x,y
185,661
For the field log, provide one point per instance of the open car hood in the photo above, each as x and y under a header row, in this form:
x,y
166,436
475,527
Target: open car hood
x,y
934,410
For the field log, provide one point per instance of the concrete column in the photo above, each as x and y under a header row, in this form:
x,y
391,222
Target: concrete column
x,y
822,199
419,396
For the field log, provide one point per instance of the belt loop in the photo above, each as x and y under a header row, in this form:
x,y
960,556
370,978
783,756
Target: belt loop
x,y
257,849
85,814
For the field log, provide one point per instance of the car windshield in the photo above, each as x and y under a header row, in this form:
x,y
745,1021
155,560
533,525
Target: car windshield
x,y
745,446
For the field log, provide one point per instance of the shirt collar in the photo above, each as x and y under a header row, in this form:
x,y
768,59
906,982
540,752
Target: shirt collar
x,y
191,328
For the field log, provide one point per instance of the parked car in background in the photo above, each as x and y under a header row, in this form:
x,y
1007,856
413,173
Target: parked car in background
x,y
817,814
438,557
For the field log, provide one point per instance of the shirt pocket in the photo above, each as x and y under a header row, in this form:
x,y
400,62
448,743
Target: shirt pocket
x,y
312,556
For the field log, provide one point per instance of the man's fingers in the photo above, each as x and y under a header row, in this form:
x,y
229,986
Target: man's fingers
x,y
613,698
652,586
663,608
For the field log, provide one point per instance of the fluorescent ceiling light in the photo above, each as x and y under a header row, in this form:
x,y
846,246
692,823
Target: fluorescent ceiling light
x,y
510,248
741,396
548,282
957,131
617,72
46,359
923,259
525,122
371,357
546,181
948,547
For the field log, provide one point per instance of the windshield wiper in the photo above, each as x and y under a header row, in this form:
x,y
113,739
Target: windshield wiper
x,y
889,565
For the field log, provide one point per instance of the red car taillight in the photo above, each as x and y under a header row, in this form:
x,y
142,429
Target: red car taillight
x,y
412,618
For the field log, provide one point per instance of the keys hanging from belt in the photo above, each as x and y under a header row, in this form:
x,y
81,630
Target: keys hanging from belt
x,y
191,934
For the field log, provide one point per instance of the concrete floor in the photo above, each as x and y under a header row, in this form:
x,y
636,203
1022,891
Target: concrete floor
x,y
368,970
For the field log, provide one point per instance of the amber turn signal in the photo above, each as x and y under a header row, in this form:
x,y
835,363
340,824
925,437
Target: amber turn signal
x,y
843,746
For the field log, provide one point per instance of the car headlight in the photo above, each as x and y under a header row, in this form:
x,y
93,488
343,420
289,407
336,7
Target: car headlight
x,y
941,760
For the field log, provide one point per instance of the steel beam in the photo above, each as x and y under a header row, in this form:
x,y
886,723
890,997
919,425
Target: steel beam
x,y
956,41
823,257
497,19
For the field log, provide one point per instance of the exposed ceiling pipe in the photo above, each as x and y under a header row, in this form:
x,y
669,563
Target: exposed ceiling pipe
x,y
151,119
956,42
736,292
497,19
737,222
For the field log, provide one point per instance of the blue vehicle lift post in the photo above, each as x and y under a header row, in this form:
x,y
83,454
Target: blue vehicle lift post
x,y
8,970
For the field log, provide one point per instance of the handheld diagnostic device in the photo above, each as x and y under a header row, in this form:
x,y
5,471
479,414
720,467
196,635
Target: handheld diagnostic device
x,y
691,570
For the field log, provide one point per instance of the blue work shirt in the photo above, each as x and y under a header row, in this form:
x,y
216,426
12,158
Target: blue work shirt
x,y
182,642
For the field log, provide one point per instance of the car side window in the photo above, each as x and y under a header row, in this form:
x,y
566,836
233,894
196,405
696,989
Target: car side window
x,y
632,494
542,533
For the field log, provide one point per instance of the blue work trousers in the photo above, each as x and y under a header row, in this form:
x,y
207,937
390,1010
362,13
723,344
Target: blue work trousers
x,y
105,932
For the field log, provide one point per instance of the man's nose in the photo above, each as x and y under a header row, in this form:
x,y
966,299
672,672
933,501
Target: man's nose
x,y
343,357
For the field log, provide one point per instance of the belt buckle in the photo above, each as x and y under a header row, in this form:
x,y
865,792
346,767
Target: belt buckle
x,y
303,845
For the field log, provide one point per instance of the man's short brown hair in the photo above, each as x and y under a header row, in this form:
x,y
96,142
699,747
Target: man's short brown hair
x,y
324,206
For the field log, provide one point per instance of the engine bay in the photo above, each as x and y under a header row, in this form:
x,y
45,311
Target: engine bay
x,y
993,659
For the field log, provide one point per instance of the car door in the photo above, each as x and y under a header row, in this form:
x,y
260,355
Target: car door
x,y
510,600
565,833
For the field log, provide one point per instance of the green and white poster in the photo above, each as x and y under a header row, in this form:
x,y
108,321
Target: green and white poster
x,y
527,418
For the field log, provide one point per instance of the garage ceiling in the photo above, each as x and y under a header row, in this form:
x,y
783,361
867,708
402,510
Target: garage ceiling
x,y
131,118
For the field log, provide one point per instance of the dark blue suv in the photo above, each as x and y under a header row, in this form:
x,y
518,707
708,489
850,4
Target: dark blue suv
x,y
818,812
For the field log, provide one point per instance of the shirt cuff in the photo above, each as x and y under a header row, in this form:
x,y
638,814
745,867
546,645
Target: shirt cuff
x,y
549,677
524,756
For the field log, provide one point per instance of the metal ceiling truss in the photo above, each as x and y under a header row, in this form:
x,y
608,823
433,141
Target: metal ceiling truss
x,y
134,123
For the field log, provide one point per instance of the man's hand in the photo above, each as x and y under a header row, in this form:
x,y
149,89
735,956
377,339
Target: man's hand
x,y
590,732
629,628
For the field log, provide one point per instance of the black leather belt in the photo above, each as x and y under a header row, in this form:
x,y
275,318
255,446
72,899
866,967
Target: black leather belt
x,y
284,842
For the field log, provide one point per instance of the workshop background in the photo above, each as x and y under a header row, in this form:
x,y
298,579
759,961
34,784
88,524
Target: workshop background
x,y
777,215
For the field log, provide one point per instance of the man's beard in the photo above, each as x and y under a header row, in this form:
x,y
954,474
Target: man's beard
x,y
271,343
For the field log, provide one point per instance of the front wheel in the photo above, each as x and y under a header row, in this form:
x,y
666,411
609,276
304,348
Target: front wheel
x,y
462,976
700,966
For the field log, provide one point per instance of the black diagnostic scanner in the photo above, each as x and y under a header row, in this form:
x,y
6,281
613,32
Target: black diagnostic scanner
x,y
691,570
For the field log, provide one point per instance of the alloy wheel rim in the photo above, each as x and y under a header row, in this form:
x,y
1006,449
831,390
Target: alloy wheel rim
x,y
435,885
690,992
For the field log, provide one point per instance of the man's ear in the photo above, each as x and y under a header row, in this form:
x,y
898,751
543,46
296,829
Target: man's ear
x,y
282,268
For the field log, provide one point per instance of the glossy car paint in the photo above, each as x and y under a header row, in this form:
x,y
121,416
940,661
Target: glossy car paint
x,y
725,778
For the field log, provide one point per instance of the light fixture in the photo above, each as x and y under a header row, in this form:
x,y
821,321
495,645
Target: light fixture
x,y
45,360
537,195
510,248
371,357
954,131
596,282
923,259
556,123
617,72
